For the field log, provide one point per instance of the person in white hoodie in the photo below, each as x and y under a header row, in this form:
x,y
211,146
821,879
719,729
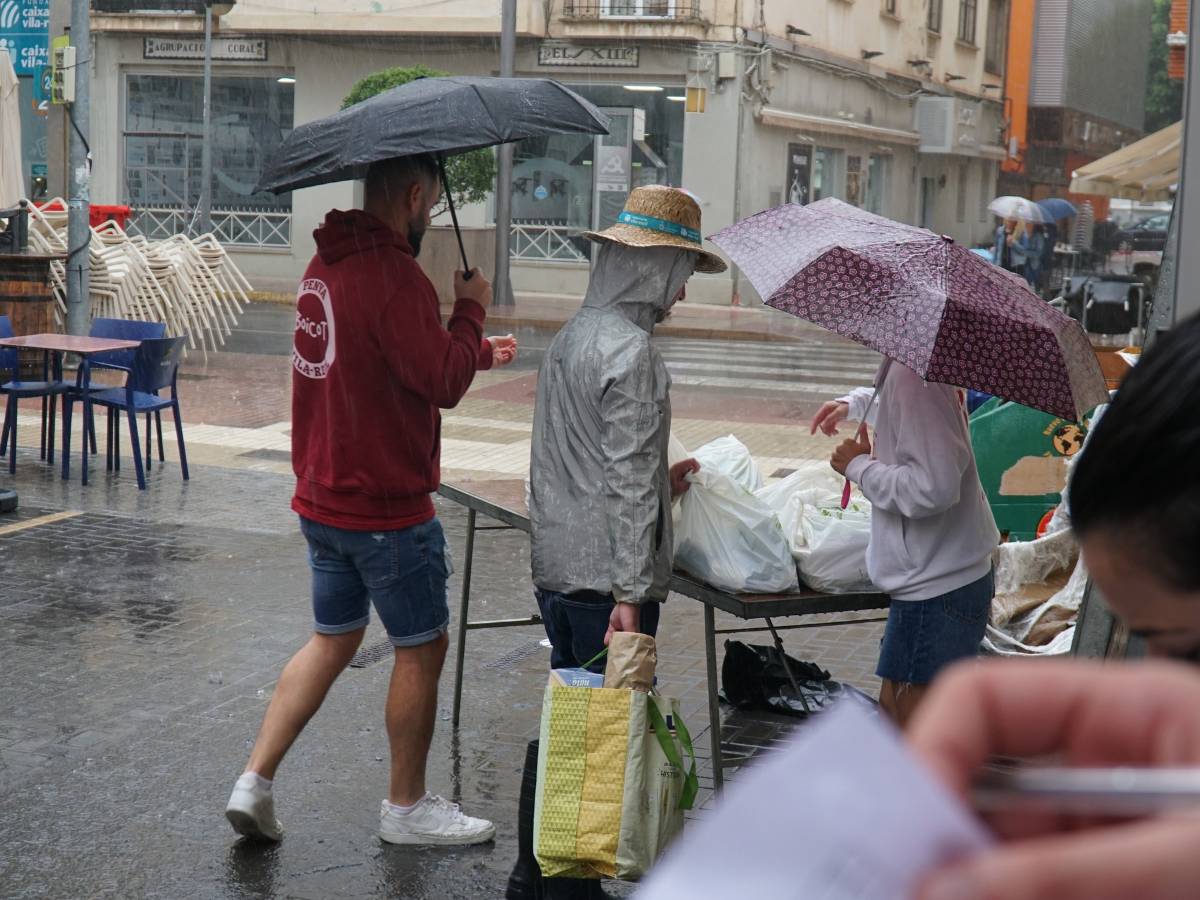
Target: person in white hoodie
x,y
932,531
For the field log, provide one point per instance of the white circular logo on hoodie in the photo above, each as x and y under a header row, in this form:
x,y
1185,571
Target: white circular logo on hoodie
x,y
313,346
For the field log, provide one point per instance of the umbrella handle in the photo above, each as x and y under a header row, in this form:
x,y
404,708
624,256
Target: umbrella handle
x,y
441,161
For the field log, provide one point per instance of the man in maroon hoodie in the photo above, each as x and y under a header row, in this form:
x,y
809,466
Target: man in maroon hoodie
x,y
373,366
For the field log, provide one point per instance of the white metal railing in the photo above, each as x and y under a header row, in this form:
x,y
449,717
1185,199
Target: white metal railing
x,y
233,227
545,243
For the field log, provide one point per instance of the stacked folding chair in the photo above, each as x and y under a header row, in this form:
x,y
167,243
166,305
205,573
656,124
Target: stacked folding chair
x,y
190,284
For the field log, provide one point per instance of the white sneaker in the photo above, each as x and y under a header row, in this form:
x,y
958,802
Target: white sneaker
x,y
433,821
251,810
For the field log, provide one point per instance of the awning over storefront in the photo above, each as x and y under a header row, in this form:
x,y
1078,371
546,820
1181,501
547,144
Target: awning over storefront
x,y
781,118
1146,170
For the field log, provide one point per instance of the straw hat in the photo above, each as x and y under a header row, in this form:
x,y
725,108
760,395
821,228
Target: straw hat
x,y
659,216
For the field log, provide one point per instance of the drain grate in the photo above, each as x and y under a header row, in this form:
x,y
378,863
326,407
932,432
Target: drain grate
x,y
512,657
373,654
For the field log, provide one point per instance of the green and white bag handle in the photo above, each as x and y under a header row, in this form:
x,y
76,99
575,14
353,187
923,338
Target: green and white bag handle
x,y
691,783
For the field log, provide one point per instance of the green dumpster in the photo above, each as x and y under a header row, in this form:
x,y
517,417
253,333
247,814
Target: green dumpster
x,y
1022,456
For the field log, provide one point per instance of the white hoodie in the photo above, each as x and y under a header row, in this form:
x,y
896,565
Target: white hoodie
x,y
932,530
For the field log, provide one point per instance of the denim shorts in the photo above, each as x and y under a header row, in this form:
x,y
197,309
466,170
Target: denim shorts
x,y
403,573
924,636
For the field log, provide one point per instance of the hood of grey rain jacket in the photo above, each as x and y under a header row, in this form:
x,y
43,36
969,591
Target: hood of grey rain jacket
x,y
599,495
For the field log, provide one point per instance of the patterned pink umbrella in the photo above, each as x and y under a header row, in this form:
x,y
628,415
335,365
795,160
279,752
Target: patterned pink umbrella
x,y
920,299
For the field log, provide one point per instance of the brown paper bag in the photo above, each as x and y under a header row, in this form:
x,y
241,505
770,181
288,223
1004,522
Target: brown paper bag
x,y
631,662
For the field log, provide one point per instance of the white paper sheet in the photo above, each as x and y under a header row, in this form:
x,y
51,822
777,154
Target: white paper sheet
x,y
843,813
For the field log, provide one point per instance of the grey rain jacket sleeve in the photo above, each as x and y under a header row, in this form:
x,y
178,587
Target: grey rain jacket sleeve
x,y
599,488
633,453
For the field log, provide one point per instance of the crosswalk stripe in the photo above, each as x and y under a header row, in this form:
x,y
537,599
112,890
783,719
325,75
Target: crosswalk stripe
x,y
839,374
776,387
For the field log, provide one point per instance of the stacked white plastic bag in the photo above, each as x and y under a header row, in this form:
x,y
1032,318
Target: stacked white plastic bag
x,y
828,543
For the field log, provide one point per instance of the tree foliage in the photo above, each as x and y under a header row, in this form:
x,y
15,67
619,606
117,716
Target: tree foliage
x,y
471,175
1164,97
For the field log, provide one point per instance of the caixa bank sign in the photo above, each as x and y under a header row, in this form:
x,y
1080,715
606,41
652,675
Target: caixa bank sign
x,y
313,347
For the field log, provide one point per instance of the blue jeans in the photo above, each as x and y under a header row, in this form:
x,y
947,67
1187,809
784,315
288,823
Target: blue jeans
x,y
403,573
922,637
577,622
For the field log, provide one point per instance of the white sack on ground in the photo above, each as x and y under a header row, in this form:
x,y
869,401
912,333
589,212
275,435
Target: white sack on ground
x,y
731,539
1047,629
730,456
1031,562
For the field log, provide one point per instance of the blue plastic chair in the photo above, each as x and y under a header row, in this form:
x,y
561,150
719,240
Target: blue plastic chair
x,y
122,360
155,368
16,389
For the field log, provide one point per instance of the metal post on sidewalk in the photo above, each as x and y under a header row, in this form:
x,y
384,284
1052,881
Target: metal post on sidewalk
x,y
1187,201
501,285
79,235
204,207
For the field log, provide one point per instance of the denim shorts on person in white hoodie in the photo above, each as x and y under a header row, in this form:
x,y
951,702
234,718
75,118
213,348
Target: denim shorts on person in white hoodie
x,y
932,530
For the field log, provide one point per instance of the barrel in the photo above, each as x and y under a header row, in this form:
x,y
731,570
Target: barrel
x,y
27,299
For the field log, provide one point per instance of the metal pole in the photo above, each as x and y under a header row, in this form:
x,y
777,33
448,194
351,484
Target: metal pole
x,y
1187,202
501,286
205,205
79,233
464,612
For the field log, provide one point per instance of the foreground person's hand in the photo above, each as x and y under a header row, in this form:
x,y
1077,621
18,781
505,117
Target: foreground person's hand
x,y
625,617
1085,715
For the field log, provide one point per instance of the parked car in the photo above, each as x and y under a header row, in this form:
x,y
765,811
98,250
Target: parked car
x,y
1147,235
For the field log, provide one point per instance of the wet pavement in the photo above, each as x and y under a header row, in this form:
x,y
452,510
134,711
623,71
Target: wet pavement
x,y
142,634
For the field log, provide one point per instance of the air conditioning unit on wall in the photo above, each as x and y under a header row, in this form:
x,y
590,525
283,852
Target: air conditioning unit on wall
x,y
948,125
936,123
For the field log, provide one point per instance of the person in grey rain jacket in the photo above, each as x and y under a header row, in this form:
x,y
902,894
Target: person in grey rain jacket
x,y
600,485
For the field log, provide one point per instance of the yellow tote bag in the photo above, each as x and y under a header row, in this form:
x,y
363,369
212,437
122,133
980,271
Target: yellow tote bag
x,y
612,784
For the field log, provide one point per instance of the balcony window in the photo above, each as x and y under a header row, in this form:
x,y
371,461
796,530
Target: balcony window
x,y
631,9
889,7
997,36
967,13
934,22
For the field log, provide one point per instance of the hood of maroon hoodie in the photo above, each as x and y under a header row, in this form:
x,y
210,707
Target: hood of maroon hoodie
x,y
348,232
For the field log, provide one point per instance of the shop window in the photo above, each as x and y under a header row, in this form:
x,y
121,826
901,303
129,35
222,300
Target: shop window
x,y
826,180
997,36
964,175
967,13
565,184
877,178
164,131
934,20
854,179
987,187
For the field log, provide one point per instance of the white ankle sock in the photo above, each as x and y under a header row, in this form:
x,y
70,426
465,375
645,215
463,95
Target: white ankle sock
x,y
254,781
405,810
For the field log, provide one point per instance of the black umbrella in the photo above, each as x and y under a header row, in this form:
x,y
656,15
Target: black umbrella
x,y
441,116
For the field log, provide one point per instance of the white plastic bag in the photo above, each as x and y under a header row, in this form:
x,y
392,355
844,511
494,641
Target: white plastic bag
x,y
731,457
731,539
833,557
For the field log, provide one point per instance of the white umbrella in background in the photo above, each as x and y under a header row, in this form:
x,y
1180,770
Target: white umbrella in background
x,y
12,184
1017,208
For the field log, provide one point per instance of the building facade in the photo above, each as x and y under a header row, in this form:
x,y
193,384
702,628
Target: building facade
x,y
1077,83
893,105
